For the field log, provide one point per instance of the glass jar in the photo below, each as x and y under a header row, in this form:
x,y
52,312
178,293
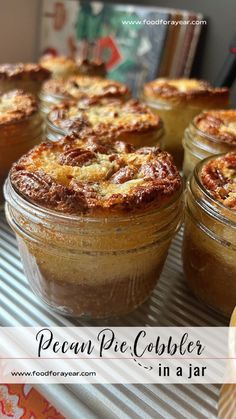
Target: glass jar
x,y
93,267
198,145
176,117
151,138
17,138
29,86
227,401
47,101
79,88
209,246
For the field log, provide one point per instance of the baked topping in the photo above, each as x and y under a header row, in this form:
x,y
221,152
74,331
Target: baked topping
x,y
112,118
16,105
218,176
219,124
62,65
85,176
23,71
58,63
92,67
78,87
182,89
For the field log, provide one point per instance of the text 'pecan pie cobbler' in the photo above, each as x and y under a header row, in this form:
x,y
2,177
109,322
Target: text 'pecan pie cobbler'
x,y
177,101
211,132
20,128
130,121
209,249
97,222
81,87
25,76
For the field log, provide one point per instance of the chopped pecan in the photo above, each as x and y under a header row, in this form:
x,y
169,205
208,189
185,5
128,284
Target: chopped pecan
x,y
76,157
123,175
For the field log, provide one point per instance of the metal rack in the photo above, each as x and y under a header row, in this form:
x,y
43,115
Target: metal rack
x,y
171,304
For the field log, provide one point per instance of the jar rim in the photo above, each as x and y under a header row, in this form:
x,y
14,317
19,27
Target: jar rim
x,y
15,199
208,136
220,211
54,127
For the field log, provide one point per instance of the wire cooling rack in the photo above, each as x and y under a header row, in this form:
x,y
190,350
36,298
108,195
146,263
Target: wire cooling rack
x,y
171,304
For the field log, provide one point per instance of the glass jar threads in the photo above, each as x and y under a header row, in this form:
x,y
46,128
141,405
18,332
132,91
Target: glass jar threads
x,y
20,129
28,77
177,101
209,246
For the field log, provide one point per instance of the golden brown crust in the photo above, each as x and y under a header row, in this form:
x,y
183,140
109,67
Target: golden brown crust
x,y
62,66
219,124
96,176
113,118
29,71
16,106
79,87
59,64
185,91
91,67
218,176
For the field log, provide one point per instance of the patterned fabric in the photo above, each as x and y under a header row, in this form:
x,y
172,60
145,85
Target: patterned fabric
x,y
19,401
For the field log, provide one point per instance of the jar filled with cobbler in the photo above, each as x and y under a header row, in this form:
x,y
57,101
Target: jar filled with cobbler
x,y
20,129
211,132
94,221
63,66
26,76
79,87
209,246
130,121
177,102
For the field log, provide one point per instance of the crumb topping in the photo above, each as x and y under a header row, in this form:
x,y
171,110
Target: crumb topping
x,y
58,63
78,87
20,70
218,176
114,117
92,67
183,89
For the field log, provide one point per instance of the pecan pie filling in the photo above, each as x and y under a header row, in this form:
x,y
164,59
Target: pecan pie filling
x,y
105,214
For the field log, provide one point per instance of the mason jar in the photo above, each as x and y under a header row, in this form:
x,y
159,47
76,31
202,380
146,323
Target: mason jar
x,y
131,121
48,101
26,76
199,144
209,246
92,266
227,400
16,138
177,102
80,87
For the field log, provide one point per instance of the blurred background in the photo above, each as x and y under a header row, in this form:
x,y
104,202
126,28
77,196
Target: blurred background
x,y
23,30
